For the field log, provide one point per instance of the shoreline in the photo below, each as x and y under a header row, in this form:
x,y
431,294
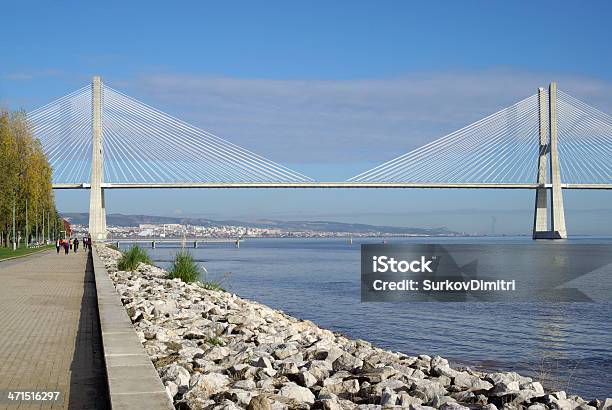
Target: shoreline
x,y
215,350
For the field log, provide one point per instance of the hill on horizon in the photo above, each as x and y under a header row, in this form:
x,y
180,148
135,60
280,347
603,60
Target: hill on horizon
x,y
82,218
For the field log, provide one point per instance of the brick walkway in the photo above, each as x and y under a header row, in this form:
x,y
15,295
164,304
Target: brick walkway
x,y
49,332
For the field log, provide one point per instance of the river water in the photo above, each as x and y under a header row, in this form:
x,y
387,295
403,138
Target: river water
x,y
567,345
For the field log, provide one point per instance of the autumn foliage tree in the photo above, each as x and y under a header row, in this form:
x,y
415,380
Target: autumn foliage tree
x,y
25,182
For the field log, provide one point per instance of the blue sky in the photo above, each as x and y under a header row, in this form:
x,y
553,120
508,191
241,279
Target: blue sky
x,y
327,88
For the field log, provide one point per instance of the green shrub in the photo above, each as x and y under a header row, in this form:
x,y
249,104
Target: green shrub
x,y
212,286
184,267
216,285
215,341
132,257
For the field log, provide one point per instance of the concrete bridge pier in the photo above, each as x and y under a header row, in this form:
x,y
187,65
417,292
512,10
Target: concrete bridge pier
x,y
97,211
545,227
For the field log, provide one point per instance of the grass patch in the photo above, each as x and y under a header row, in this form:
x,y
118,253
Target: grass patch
x,y
215,341
132,257
6,253
184,267
216,286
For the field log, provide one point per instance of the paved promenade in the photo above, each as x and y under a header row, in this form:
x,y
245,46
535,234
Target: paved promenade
x,y
49,331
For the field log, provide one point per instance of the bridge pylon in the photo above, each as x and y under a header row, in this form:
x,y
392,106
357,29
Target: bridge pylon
x,y
549,224
97,211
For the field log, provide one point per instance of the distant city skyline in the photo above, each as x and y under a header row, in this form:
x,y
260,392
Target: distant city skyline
x,y
329,90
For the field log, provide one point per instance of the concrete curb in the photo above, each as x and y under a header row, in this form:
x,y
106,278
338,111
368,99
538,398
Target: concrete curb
x,y
133,382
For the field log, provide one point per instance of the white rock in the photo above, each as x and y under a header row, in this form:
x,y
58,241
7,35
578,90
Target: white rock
x,y
453,406
307,379
328,404
606,405
507,377
406,400
285,351
288,369
195,333
506,387
208,384
227,405
535,386
565,404
338,386
245,384
191,353
163,307
298,393
388,398
239,396
171,389
216,353
428,388
347,362
466,381
178,375
261,362
162,335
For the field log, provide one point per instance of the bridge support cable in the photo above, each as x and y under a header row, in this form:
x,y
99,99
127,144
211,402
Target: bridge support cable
x,y
585,142
143,145
148,145
64,129
496,149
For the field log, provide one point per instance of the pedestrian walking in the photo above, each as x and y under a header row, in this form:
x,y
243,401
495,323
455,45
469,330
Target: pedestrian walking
x,y
66,247
76,245
57,245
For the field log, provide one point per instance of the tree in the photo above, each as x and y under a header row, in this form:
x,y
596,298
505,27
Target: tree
x,y
26,177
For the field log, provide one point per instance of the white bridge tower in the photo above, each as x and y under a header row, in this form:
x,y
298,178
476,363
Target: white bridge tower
x,y
97,212
545,227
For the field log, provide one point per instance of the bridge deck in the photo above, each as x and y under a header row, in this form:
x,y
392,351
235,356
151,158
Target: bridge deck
x,y
341,185
50,338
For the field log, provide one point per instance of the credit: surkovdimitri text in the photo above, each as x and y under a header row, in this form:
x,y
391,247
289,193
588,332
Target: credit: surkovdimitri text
x,y
444,285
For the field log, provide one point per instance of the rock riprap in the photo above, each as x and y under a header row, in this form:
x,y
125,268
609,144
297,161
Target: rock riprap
x,y
215,350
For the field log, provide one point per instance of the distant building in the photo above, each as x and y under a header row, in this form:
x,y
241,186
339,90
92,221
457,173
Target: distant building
x,y
173,226
144,227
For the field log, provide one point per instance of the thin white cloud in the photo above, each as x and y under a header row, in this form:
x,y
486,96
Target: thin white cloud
x,y
340,121
29,75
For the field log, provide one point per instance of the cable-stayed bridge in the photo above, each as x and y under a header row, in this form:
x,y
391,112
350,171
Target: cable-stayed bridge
x,y
98,138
